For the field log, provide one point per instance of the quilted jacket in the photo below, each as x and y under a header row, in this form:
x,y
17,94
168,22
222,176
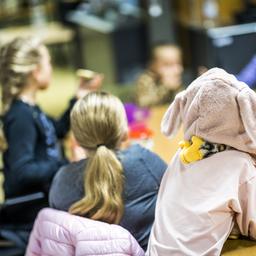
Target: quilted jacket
x,y
60,233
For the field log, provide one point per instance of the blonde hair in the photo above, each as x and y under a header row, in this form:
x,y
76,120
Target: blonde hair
x,y
18,59
99,123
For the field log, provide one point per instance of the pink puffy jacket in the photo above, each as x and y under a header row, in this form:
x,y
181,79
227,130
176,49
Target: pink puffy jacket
x,y
60,233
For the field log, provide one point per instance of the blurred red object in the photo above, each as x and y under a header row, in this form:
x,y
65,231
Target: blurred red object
x,y
139,131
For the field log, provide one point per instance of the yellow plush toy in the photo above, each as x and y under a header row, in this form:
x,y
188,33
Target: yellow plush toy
x,y
191,150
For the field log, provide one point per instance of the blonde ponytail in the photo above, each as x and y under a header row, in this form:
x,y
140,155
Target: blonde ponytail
x,y
99,122
103,188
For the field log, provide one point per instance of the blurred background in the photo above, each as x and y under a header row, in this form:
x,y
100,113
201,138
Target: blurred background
x,y
114,38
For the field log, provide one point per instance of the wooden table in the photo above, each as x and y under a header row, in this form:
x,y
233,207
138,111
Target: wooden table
x,y
166,148
163,146
50,33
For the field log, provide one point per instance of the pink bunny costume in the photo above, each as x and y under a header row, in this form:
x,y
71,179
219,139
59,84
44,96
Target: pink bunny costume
x,y
198,203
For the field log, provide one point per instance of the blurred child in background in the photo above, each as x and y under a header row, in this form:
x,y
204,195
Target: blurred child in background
x,y
30,139
163,77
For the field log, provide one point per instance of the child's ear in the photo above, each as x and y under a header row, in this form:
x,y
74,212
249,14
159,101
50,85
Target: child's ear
x,y
124,142
36,72
125,136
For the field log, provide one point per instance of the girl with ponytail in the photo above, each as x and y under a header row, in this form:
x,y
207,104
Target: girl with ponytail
x,y
111,185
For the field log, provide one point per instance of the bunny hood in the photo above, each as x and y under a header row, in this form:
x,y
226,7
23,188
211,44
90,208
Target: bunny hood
x,y
216,107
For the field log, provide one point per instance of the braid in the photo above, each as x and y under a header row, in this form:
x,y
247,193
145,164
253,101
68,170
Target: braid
x,y
18,59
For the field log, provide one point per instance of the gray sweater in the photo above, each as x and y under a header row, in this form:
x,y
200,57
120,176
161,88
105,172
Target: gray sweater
x,y
143,171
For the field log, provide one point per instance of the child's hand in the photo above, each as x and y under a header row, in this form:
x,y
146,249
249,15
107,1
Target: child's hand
x,y
201,70
86,86
94,84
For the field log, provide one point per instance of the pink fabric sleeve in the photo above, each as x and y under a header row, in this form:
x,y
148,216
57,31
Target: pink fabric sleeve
x,y
34,246
246,219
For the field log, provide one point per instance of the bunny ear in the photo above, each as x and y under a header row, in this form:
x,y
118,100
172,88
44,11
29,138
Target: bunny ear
x,y
172,118
247,104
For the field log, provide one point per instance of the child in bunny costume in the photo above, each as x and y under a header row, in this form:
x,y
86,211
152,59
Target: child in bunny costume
x,y
210,183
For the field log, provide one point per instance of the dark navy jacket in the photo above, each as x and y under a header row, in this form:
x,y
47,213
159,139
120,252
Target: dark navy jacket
x,y
33,155
143,171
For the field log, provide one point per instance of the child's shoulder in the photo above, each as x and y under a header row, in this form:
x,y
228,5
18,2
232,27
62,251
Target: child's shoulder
x,y
146,76
135,149
72,172
137,153
73,167
19,109
234,157
240,163
240,156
